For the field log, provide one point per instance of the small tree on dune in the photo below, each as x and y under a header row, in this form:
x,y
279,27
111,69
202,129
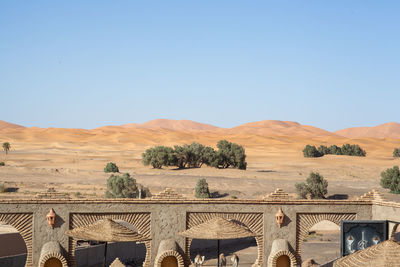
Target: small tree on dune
x,y
390,179
396,153
6,147
316,186
311,152
201,189
121,186
111,167
158,156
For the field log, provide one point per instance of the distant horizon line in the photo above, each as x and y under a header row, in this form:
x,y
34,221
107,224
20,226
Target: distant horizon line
x,y
197,122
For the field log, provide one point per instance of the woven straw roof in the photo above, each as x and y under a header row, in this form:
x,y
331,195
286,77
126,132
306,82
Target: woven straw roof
x,y
383,254
218,228
105,230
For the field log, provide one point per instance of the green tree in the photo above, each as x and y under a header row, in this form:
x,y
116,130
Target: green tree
x,y
6,147
316,186
396,153
111,167
353,150
324,150
201,189
121,186
311,152
230,154
208,156
335,150
158,156
390,179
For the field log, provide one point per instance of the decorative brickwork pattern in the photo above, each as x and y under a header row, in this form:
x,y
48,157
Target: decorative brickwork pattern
x,y
168,253
272,259
168,194
253,221
23,222
140,220
305,221
278,195
51,193
372,195
117,263
50,255
384,254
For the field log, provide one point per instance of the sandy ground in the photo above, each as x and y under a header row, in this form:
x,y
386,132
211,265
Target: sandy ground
x,y
72,161
71,168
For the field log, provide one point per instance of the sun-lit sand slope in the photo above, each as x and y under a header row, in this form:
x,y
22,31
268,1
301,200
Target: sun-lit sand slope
x,y
387,130
7,125
73,159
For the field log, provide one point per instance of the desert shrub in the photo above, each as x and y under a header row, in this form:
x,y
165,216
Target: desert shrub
x,y
201,189
353,150
396,153
121,186
315,186
208,156
111,167
159,156
2,163
311,152
324,150
229,155
390,179
346,149
78,194
335,150
195,155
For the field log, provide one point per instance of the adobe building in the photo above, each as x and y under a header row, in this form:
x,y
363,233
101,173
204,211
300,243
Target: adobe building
x,y
279,223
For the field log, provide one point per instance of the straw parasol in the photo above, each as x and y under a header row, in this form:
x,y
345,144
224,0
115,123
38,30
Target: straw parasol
x,y
383,254
106,230
218,229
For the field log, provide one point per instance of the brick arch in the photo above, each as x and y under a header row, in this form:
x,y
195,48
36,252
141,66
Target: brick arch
x,y
254,221
55,255
272,259
167,253
305,221
140,220
23,222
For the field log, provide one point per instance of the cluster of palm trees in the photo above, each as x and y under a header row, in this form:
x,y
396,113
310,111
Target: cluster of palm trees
x,y
6,147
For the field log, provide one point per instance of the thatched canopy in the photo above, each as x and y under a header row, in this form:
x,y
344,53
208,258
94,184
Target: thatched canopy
x,y
106,230
383,254
218,228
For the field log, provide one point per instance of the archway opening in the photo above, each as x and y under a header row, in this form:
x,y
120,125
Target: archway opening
x,y
322,244
91,253
13,252
53,262
283,261
246,249
169,261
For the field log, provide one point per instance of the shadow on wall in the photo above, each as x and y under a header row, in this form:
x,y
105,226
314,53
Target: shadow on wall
x,y
208,248
127,252
13,261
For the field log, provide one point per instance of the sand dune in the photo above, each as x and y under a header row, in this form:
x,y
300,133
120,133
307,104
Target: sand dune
x,y
274,127
386,130
176,125
272,134
73,159
8,125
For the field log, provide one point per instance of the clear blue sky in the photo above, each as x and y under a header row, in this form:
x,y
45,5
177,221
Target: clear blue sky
x,y
84,64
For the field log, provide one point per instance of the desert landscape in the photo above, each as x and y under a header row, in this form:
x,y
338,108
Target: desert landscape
x,y
72,160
